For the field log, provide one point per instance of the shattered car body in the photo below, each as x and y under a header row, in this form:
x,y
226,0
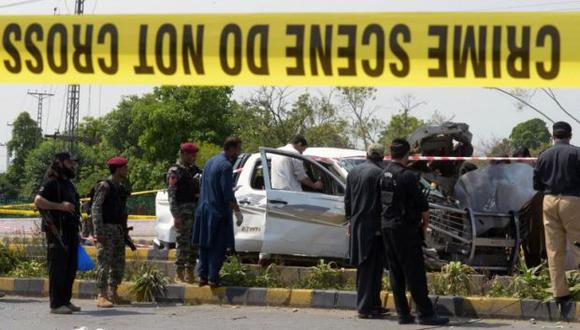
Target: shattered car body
x,y
478,218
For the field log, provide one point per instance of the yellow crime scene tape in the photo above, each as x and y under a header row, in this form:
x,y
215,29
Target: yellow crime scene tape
x,y
16,209
36,214
339,49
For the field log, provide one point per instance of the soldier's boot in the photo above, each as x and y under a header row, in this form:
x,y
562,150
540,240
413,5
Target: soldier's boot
x,y
189,276
103,301
116,299
180,276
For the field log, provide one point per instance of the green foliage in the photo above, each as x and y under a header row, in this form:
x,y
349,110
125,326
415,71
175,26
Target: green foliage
x,y
270,118
573,278
90,275
454,280
268,277
10,258
498,289
149,284
324,276
530,134
29,268
234,273
532,282
26,134
180,114
356,101
400,126
502,147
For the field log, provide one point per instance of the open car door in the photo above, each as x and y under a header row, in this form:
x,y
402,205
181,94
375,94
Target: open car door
x,y
304,223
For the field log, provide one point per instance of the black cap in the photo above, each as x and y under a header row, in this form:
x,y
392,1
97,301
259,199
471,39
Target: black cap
x,y
62,156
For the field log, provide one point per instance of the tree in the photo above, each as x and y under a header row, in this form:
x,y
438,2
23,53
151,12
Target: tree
x,y
172,115
497,147
530,134
270,118
365,127
403,124
26,135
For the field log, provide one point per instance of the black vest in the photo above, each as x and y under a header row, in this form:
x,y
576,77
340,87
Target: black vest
x,y
188,186
114,204
394,208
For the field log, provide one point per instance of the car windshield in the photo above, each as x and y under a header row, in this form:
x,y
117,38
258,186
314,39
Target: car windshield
x,y
349,163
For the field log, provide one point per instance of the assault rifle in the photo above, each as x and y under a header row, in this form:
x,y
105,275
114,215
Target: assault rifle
x,y
126,230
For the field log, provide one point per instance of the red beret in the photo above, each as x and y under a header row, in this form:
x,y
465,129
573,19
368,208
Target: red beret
x,y
189,147
117,161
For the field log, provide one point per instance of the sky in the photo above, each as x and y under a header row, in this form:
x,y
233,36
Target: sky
x,y
490,114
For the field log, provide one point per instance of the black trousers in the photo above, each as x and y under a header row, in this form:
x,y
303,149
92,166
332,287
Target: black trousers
x,y
62,266
407,268
369,276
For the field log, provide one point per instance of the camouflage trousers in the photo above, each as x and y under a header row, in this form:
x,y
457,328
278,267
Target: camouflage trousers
x,y
185,253
111,258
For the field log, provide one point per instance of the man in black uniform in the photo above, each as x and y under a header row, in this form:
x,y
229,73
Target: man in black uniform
x,y
363,211
557,175
58,203
405,216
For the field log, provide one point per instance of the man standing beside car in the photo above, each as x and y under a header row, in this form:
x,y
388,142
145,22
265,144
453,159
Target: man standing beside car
x,y
288,173
405,217
557,175
213,231
183,181
363,211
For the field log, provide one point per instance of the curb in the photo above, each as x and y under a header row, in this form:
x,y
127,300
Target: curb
x,y
471,307
139,254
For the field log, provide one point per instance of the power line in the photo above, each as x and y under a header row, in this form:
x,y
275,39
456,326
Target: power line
x,y
19,3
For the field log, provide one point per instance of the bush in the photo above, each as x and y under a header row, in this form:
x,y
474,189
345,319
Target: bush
x,y
150,284
10,258
324,276
234,273
268,278
29,268
499,289
454,280
533,283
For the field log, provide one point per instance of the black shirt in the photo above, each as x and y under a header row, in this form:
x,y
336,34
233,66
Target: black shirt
x,y
58,191
558,171
409,196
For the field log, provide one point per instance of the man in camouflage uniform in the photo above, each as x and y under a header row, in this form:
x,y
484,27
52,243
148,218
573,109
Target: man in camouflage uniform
x,y
183,189
108,213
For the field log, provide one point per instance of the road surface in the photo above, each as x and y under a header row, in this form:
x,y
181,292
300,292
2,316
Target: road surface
x,y
32,314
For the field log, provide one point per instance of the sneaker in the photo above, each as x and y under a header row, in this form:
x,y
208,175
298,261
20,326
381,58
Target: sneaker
x,y
62,310
406,319
73,308
433,320
104,302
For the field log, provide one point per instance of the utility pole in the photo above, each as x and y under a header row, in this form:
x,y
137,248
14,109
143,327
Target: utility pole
x,y
40,97
73,97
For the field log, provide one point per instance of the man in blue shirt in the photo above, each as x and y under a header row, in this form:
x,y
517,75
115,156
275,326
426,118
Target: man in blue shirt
x,y
214,232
